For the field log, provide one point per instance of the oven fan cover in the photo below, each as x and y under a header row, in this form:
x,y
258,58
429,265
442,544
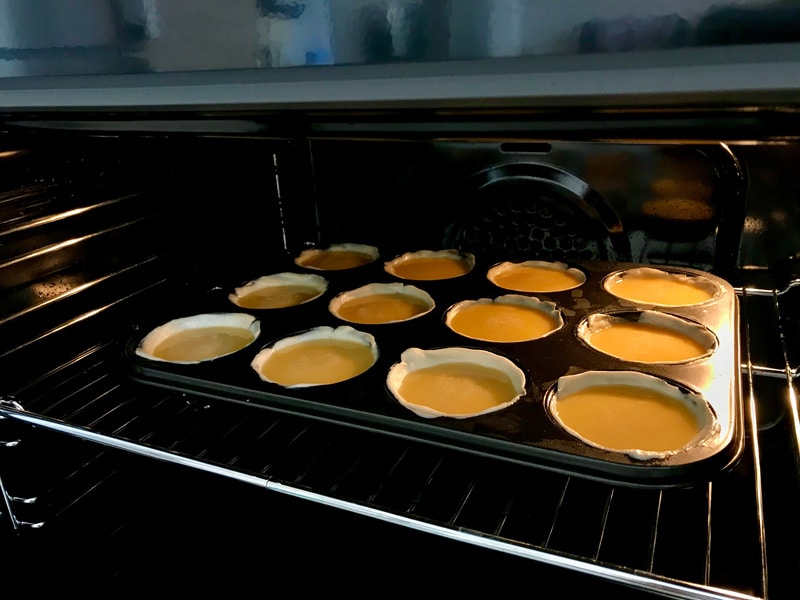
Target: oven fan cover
x,y
524,210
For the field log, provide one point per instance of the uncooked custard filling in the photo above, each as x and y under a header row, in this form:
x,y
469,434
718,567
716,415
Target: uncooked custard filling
x,y
660,290
528,278
279,296
381,308
317,362
457,388
619,417
336,260
430,268
644,342
202,343
502,322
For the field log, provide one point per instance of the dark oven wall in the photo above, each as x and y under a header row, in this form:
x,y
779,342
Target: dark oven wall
x,y
731,208
649,202
228,203
93,226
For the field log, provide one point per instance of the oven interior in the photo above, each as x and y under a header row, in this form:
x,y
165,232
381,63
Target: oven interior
x,y
107,223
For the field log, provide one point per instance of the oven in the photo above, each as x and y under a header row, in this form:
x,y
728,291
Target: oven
x,y
154,158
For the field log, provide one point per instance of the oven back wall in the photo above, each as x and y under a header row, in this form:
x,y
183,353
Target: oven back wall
x,y
662,203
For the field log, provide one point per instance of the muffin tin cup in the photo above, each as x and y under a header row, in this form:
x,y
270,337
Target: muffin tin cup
x,y
421,265
523,432
499,380
534,318
381,304
278,290
647,336
321,356
198,338
343,257
642,416
536,276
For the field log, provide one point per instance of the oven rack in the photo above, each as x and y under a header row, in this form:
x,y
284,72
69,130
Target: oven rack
x,y
721,539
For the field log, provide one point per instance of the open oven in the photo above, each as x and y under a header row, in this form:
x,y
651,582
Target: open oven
x,y
151,161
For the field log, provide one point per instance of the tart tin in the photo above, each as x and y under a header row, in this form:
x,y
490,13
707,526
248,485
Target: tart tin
x,y
327,259
600,322
316,284
545,307
661,280
416,359
559,268
321,334
629,420
465,259
398,291
524,432
247,326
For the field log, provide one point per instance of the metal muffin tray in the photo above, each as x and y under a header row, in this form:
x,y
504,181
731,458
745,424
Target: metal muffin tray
x,y
524,432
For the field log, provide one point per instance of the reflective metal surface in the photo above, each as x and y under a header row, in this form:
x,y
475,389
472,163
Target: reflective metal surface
x,y
140,36
249,42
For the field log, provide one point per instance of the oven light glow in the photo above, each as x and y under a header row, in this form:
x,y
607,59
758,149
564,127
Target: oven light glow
x,y
754,225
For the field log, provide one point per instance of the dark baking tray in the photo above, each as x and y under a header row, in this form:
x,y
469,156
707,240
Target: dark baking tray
x,y
524,432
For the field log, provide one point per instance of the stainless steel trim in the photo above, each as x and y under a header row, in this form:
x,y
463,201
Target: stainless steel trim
x,y
758,74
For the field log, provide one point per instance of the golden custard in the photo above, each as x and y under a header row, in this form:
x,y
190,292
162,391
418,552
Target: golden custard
x,y
623,417
202,343
658,287
335,260
429,265
381,308
278,296
531,277
430,268
502,322
457,388
317,361
645,342
279,290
